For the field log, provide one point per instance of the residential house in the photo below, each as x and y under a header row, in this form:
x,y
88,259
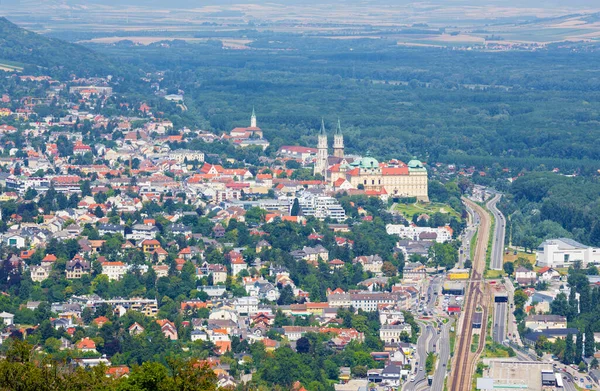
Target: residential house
x,y
525,276
136,329
142,232
77,267
168,329
39,272
391,333
548,274
543,322
218,272
114,270
86,345
370,263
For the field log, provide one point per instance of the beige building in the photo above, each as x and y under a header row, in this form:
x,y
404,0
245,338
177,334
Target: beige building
x,y
394,178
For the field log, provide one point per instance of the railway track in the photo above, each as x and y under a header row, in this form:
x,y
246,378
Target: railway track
x,y
464,360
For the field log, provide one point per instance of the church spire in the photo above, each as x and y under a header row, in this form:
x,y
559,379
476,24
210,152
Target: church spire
x,y
253,119
322,153
338,141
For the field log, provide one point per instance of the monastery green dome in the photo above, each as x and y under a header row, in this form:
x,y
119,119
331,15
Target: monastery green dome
x,y
369,162
415,164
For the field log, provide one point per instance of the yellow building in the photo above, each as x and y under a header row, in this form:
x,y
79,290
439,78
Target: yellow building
x,y
458,274
393,178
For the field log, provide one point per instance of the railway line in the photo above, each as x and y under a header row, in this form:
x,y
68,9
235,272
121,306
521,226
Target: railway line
x,y
464,360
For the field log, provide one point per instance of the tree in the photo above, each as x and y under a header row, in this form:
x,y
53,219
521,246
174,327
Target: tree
x,y
569,350
295,208
388,269
594,363
86,189
523,262
509,268
590,347
286,296
520,298
578,348
303,345
560,305
98,212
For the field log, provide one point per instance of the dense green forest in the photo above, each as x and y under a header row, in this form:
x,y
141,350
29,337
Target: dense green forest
x,y
545,205
426,102
520,109
39,54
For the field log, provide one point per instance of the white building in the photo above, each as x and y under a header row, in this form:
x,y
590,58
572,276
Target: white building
x,y
181,155
321,207
114,270
246,305
412,232
565,252
391,333
7,318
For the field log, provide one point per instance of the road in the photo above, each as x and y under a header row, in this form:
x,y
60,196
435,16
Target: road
x,y
500,315
427,339
443,356
512,329
499,233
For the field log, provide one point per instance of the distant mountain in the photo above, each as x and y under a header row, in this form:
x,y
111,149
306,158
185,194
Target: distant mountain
x,y
56,56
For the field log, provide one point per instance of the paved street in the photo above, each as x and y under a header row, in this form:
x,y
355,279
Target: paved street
x,y
427,339
444,355
500,319
499,233
512,331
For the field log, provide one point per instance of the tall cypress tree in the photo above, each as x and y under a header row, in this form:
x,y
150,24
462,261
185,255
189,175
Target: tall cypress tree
x,y
578,348
569,351
573,304
589,342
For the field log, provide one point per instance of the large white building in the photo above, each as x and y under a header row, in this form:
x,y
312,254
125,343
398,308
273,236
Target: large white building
x,y
321,207
565,252
412,232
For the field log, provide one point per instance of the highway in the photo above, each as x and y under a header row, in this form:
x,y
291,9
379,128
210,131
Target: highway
x,y
499,233
499,329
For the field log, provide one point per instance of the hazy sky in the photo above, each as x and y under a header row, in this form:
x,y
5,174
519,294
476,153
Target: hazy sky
x,y
200,3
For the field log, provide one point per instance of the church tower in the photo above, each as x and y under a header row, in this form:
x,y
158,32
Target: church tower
x,y
321,162
253,119
338,141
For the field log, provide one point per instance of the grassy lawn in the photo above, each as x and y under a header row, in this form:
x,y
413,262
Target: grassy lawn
x,y
493,274
452,337
495,350
473,245
488,252
10,66
511,257
475,343
408,210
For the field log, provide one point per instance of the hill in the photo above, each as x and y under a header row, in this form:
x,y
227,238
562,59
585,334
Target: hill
x,y
35,51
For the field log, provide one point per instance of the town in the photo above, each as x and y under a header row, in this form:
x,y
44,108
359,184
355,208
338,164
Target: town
x,y
126,238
